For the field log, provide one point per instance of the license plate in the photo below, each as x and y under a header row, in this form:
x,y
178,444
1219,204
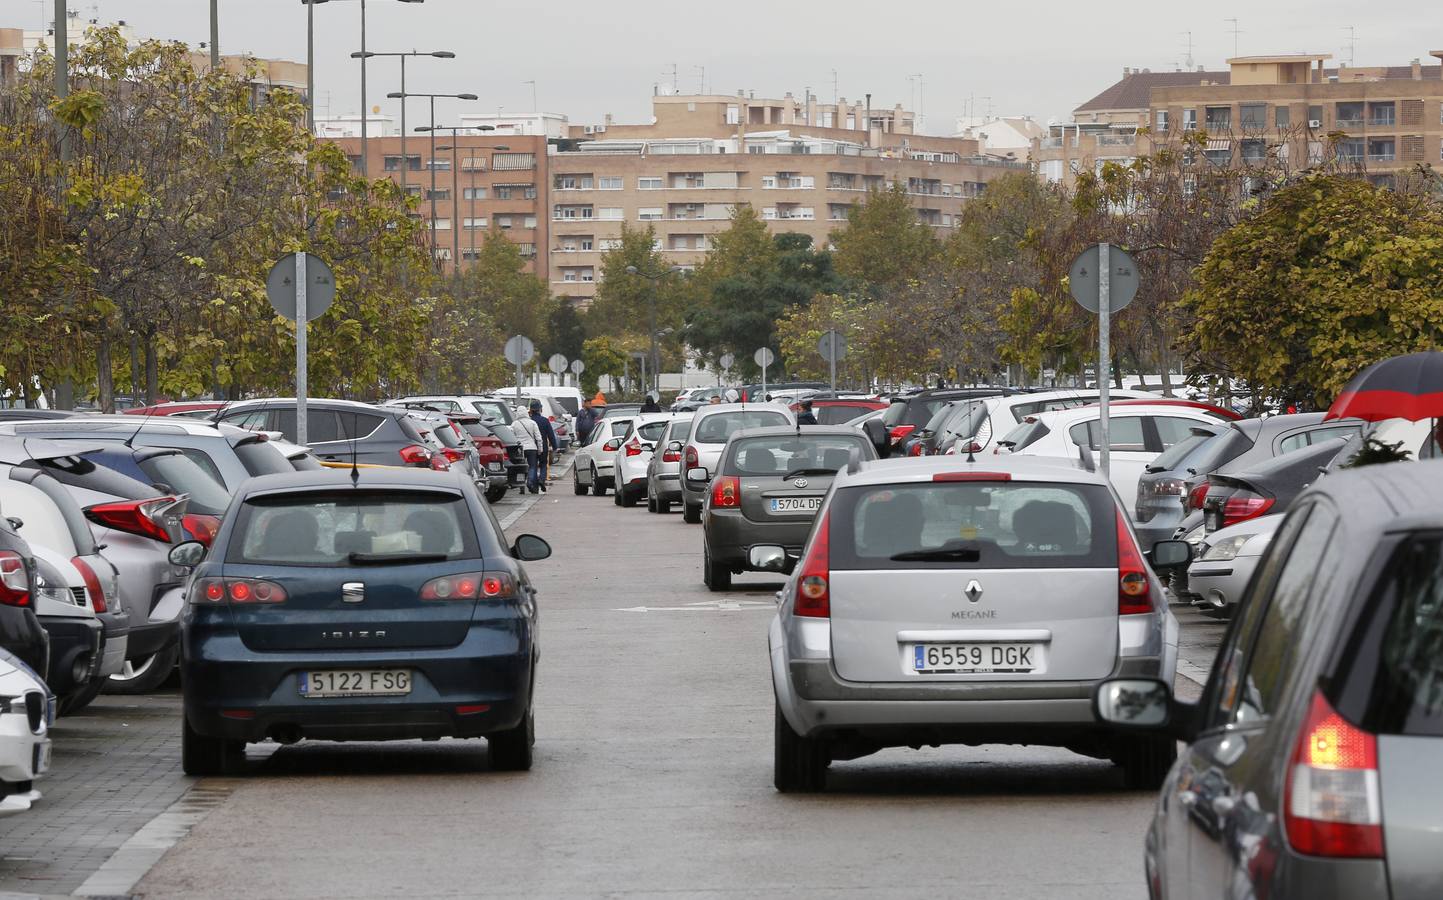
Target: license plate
x,y
494,467
1000,658
795,504
1214,519
356,683
42,758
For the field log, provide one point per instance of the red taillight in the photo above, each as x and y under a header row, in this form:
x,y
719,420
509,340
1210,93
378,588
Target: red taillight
x,y
467,586
453,454
916,449
1195,498
1134,593
143,517
632,447
1331,804
1243,505
92,584
471,709
236,590
14,582
898,432
726,492
200,527
972,476
440,463
692,459
671,456
415,455
814,597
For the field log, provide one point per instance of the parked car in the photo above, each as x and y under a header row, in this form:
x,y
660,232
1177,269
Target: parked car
x,y
339,430
495,415
1000,414
831,411
753,393
767,488
20,630
551,406
26,712
437,637
711,427
1225,560
632,461
594,467
908,412
1311,759
617,409
939,601
1269,486
663,473
196,409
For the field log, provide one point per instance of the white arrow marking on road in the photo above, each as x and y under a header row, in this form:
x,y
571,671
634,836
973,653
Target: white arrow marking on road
x,y
705,606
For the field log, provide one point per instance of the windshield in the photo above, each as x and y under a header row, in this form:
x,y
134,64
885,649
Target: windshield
x,y
785,453
569,404
1024,435
652,430
715,429
181,474
1174,456
326,529
493,409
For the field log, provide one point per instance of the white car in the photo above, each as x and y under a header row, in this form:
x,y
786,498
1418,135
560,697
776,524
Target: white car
x,y
26,712
631,462
594,469
561,421
1138,432
710,428
992,417
1226,560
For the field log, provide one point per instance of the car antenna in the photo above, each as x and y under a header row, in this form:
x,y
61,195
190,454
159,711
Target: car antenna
x,y
130,441
971,450
355,472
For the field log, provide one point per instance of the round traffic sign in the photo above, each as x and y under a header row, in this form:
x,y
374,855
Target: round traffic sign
x,y
557,363
764,357
726,360
519,350
320,286
1082,278
832,345
577,367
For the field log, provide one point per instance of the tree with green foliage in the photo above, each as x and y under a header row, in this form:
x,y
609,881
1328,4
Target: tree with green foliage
x,y
565,332
602,356
883,245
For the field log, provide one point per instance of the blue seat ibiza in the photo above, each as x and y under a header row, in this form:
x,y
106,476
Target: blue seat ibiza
x,y
379,604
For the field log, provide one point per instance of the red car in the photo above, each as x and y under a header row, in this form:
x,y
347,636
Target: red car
x,y
839,412
195,409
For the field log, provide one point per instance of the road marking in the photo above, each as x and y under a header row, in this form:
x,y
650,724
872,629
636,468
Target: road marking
x,y
531,499
134,858
723,605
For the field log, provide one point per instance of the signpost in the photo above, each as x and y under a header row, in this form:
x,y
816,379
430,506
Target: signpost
x,y
301,287
725,360
764,357
577,367
1103,279
519,351
832,346
557,365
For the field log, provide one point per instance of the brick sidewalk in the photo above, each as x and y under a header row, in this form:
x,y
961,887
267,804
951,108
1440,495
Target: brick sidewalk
x,y
116,766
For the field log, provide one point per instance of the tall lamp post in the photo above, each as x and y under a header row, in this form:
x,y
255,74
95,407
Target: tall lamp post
x,y
364,55
431,163
311,68
653,278
455,188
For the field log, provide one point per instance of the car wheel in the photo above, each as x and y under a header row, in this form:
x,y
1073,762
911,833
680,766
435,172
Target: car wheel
x,y
717,577
1145,761
201,755
690,515
799,765
142,676
597,488
628,497
495,494
576,484
71,704
511,750
650,502
663,506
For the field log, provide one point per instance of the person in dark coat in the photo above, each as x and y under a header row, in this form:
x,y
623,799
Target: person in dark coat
x,y
585,422
806,416
650,405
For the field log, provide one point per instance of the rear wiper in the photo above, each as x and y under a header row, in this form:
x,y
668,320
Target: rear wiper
x,y
382,559
940,554
1153,470
808,471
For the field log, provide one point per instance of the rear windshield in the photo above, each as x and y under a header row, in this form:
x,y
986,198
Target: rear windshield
x,y
973,525
895,413
305,462
569,404
652,430
1220,451
357,527
180,473
1392,669
837,414
1021,411
493,409
262,460
680,431
1174,456
80,472
785,453
715,429
620,409
1024,435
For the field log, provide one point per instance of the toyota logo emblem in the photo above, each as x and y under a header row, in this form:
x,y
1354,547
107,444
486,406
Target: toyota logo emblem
x,y
800,482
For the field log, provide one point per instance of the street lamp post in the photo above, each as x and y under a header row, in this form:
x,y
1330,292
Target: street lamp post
x,y
655,358
402,95
455,191
438,54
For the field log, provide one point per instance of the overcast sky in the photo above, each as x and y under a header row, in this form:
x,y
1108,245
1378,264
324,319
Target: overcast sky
x,y
591,57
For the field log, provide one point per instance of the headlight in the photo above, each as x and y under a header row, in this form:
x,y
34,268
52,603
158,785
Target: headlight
x,y
51,589
1195,537
1227,548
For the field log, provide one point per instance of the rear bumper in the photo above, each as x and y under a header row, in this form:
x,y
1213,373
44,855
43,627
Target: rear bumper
x,y
668,487
152,637
730,535
72,640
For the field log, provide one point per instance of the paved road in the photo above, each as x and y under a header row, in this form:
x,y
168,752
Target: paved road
x,y
653,775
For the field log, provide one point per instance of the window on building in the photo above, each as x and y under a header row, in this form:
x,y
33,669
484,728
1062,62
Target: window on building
x,y
609,183
438,194
503,222
473,193
1315,116
1348,115
769,182
1280,117
393,163
586,243
649,183
470,253
413,190
441,224
439,165
1218,118
1254,151
649,213
1189,120
1253,116
471,224
610,244
528,222
1382,114
513,161
734,114
1382,150
1351,150
611,213
1161,120
528,249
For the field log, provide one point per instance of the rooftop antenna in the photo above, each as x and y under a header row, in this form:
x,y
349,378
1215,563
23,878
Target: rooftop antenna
x,y
834,87
674,90
1187,60
355,472
988,116
1352,45
701,81
1236,31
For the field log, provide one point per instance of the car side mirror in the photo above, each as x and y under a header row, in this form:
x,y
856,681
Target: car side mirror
x,y
187,554
767,558
16,523
530,548
674,447
697,474
877,433
1144,704
1171,554
613,444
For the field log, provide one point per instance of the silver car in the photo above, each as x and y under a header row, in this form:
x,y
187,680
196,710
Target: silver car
x,y
942,602
663,475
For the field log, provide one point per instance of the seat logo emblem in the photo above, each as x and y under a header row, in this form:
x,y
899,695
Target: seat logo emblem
x,y
974,591
353,592
800,482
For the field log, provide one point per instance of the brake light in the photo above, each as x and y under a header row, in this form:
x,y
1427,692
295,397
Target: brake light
x,y
453,454
1331,805
1168,486
633,447
671,456
1134,593
92,584
814,597
1241,506
972,476
14,581
467,586
142,517
726,492
236,590
692,459
415,455
897,432
440,462
1195,498
200,527
916,449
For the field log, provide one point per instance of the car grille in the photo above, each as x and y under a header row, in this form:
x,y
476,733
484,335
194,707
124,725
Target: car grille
x,y
35,711
77,594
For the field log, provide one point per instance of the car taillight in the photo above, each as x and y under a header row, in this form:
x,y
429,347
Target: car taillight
x,y
1195,498
200,527
814,597
440,463
1168,486
692,459
898,432
143,517
453,454
92,584
916,449
671,456
236,590
1331,805
1243,505
14,582
632,447
1134,593
415,455
467,586
726,492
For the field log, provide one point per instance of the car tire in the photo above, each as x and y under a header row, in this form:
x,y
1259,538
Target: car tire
x,y
717,577
663,506
576,484
689,515
597,488
627,497
1145,761
799,765
145,674
201,755
511,750
650,502
495,494
73,703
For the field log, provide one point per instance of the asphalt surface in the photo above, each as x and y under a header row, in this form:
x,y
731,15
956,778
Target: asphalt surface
x,y
652,776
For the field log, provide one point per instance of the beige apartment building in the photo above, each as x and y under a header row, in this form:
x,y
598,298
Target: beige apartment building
x,y
800,164
1383,119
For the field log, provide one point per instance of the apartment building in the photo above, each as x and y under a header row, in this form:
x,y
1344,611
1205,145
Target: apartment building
x,y
1292,108
476,184
800,164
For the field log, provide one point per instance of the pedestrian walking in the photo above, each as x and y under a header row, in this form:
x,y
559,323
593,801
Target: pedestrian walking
x,y
806,416
546,442
585,422
650,406
531,440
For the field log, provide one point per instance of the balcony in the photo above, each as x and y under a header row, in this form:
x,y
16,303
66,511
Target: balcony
x,y
1382,121
1116,140
1348,124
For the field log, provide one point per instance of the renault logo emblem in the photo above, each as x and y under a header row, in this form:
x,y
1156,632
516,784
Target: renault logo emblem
x,y
800,482
974,591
